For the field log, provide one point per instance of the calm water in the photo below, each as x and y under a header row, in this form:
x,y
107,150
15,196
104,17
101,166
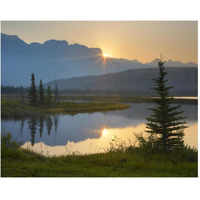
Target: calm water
x,y
88,133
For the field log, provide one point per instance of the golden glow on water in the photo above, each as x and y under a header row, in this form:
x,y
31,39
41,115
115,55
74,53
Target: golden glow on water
x,y
104,131
102,144
88,146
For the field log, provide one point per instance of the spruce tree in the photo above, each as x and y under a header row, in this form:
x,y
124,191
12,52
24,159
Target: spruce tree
x,y
56,92
32,93
41,94
49,96
165,125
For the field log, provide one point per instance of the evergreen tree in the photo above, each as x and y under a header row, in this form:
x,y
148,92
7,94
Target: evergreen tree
x,y
32,93
56,92
165,125
41,93
49,96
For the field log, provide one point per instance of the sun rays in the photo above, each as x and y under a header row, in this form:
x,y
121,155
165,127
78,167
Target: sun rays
x,y
104,131
105,55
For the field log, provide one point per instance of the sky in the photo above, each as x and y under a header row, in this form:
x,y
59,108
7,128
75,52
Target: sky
x,y
141,40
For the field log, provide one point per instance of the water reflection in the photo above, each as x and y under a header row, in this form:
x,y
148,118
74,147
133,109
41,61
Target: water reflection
x,y
49,124
22,126
88,133
102,144
32,124
104,131
41,125
36,124
31,129
56,119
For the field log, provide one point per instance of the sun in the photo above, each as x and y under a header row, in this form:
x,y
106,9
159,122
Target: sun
x,y
104,131
105,55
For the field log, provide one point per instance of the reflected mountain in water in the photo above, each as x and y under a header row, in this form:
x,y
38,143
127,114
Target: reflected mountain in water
x,y
62,129
140,111
102,144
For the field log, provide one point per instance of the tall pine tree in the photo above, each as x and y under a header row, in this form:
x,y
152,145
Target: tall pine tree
x,y
49,96
32,93
165,125
56,92
41,94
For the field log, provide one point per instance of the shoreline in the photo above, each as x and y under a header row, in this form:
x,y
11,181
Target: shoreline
x,y
14,108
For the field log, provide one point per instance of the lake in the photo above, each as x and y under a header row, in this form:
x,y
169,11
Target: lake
x,y
89,133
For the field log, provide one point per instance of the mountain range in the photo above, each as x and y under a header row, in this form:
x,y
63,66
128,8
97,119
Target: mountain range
x,y
61,60
136,82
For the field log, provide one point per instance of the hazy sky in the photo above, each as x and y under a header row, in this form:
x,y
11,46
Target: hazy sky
x,y
144,41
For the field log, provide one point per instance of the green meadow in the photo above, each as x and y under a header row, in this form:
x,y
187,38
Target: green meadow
x,y
120,161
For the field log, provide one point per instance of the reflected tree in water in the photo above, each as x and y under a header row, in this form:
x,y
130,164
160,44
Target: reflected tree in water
x,y
32,125
49,124
41,125
56,119
22,126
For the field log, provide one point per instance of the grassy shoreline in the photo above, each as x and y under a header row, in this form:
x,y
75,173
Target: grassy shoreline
x,y
14,108
131,162
112,98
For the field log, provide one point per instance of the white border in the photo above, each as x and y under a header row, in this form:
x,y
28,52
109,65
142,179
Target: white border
x,y
99,188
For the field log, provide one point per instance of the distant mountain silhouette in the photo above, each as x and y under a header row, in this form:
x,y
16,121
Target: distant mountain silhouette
x,y
58,58
137,82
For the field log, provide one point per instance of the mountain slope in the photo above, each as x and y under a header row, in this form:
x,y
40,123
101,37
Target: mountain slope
x,y
137,82
55,58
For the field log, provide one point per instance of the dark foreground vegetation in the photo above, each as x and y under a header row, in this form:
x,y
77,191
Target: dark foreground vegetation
x,y
119,161
15,108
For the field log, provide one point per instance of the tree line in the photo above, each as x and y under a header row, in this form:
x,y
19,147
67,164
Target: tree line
x,y
38,97
13,90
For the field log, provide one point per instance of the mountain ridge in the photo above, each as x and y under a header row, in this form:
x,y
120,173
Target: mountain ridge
x,y
61,59
135,82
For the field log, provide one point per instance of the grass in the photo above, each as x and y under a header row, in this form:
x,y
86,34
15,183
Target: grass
x,y
123,98
110,98
128,162
14,108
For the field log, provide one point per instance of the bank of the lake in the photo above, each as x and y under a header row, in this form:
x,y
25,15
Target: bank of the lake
x,y
127,98
114,98
15,108
133,162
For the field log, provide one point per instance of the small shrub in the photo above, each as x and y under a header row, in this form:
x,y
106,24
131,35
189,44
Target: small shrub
x,y
117,145
7,142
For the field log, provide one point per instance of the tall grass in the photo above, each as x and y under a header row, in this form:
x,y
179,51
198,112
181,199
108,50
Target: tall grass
x,y
15,108
121,160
